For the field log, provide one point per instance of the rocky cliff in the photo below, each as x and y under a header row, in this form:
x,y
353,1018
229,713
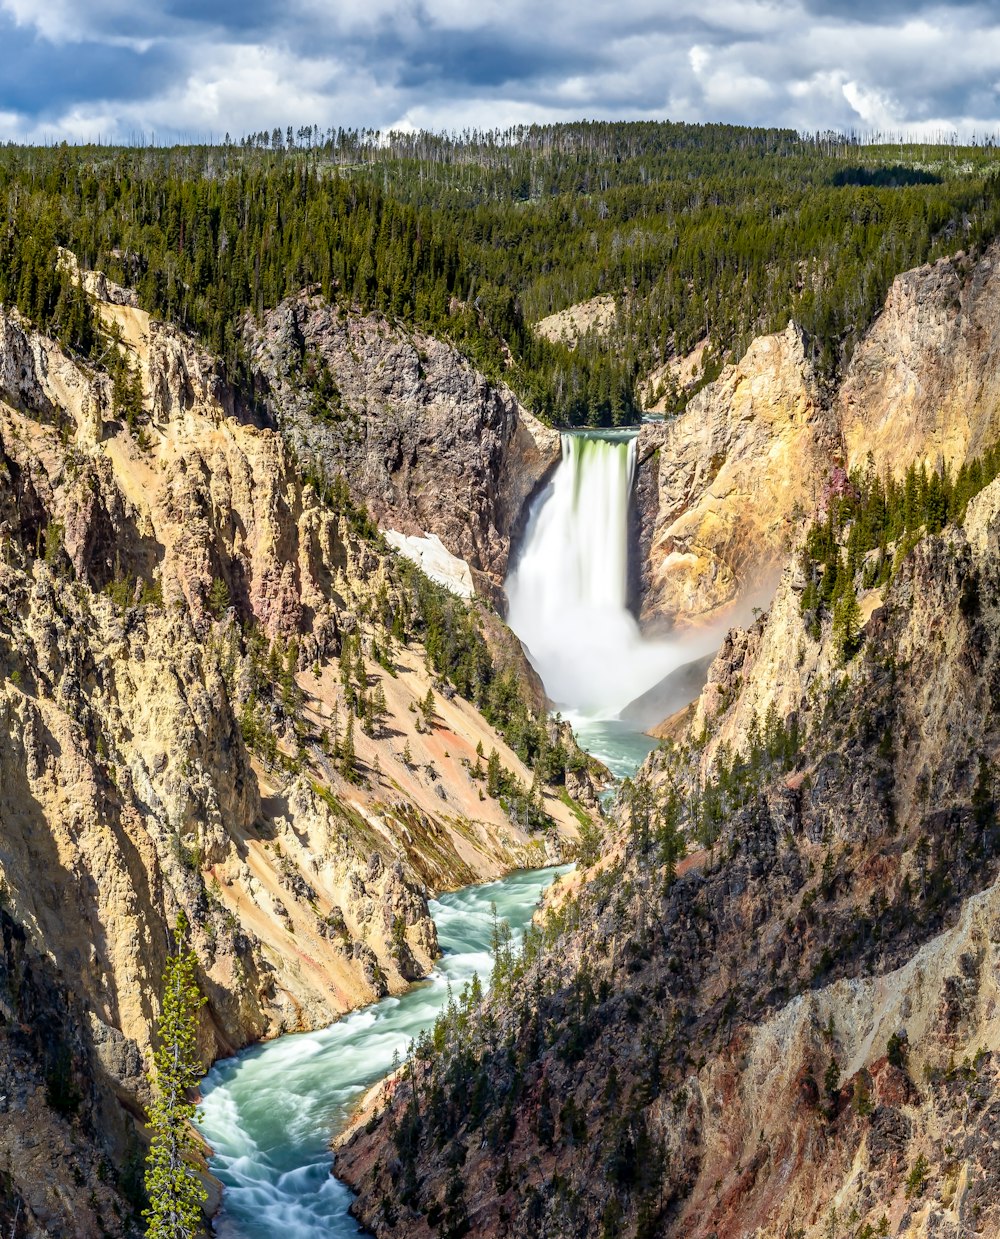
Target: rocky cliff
x,y
424,440
792,1030
722,486
187,628
924,383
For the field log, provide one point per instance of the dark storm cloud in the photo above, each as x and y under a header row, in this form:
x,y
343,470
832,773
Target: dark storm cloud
x,y
79,67
238,17
877,11
456,60
38,78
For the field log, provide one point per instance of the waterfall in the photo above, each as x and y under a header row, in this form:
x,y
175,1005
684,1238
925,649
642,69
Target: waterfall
x,y
568,591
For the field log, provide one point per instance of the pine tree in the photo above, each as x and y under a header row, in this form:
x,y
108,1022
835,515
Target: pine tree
x,y
126,391
379,707
347,753
670,838
493,774
847,622
175,1191
345,678
536,796
218,598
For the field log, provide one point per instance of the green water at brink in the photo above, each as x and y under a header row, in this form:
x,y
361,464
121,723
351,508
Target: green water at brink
x,y
269,1114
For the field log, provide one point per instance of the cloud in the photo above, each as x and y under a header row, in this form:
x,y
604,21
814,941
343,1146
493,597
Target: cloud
x,y
877,12
68,72
187,68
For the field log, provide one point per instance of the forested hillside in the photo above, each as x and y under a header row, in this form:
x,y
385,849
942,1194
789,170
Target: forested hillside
x,y
696,231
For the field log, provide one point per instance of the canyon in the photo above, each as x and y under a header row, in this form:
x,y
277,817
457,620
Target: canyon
x,y
194,585
770,1007
174,593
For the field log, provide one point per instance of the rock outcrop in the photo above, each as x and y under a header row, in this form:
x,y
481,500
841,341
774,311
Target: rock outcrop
x,y
659,390
423,439
924,383
597,315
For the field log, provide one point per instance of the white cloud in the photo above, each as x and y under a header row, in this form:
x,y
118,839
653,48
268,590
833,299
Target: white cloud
x,y
699,58
450,63
874,109
64,21
58,21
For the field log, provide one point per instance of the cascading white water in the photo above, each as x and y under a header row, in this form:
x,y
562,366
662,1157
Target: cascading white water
x,y
568,591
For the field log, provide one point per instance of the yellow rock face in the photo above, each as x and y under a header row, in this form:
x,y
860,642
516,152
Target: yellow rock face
x,y
924,384
723,487
733,474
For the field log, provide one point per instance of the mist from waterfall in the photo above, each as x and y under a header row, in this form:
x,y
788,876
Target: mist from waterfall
x,y
568,590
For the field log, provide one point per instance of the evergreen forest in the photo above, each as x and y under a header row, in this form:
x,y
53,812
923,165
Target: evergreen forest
x,y
698,232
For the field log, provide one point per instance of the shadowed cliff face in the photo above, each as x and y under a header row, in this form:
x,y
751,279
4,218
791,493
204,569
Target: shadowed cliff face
x,y
174,595
422,438
802,1024
58,1115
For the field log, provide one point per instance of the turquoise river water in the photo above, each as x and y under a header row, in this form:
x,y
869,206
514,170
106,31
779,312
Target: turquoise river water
x,y
270,1113
614,742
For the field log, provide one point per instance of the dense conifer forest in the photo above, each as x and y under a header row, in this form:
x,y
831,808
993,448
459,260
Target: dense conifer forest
x,y
699,232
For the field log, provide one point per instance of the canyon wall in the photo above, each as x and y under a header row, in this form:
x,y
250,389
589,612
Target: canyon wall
x,y
175,602
924,383
722,486
722,489
427,443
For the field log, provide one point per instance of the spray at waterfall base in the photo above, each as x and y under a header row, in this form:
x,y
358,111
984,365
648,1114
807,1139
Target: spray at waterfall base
x,y
567,596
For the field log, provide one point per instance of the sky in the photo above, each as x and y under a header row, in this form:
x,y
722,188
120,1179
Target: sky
x,y
196,69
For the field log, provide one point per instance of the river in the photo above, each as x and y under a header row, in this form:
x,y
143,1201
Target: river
x,y
270,1113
